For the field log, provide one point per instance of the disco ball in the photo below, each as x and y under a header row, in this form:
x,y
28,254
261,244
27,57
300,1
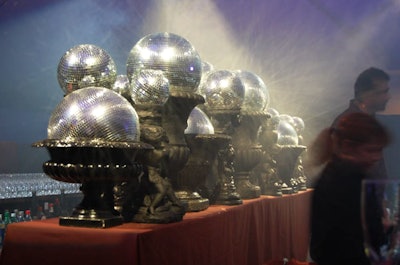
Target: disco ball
x,y
223,90
122,86
287,118
256,96
94,113
206,69
298,124
170,53
286,134
199,123
149,87
85,65
273,112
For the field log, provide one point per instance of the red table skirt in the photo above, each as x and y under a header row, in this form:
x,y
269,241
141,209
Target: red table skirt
x,y
258,231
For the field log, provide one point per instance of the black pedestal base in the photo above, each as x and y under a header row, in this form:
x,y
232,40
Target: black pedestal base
x,y
91,222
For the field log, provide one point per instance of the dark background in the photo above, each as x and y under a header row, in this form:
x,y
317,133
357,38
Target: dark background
x,y
308,52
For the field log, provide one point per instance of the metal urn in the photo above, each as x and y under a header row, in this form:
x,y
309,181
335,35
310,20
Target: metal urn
x,y
93,139
266,172
181,65
248,151
224,94
85,65
299,173
236,101
286,152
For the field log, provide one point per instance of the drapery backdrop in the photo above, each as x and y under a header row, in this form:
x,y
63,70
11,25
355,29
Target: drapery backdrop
x,y
308,52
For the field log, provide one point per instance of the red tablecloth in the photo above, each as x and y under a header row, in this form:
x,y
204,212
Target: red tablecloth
x,y
255,232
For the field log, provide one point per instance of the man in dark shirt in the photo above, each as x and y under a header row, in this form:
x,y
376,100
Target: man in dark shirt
x,y
371,93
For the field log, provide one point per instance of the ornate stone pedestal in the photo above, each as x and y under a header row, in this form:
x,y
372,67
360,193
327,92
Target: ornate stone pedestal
x,y
163,126
97,165
286,158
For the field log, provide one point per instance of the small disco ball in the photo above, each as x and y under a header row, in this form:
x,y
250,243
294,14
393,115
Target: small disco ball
x,y
206,69
273,112
149,87
170,53
199,123
298,124
85,65
122,86
256,95
94,113
287,118
286,134
223,90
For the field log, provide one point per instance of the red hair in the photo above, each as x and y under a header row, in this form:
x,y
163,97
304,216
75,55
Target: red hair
x,y
358,127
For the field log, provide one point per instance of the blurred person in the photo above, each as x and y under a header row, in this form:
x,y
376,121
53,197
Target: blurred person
x,y
348,151
371,95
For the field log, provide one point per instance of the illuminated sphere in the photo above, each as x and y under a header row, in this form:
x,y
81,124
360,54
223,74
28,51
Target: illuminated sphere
x,y
206,69
273,112
122,86
223,90
149,87
286,117
286,134
199,123
298,124
85,65
94,113
256,96
170,53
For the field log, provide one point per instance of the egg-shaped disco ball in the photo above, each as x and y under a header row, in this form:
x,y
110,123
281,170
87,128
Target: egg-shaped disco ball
x,y
298,124
223,90
273,112
199,123
85,65
149,87
122,86
170,53
94,113
286,134
256,95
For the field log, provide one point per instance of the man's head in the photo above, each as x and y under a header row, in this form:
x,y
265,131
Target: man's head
x,y
371,89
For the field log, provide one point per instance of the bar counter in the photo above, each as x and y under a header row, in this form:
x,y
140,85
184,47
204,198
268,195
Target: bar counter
x,y
259,230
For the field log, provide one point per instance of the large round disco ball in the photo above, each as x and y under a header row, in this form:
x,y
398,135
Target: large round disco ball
x,y
85,65
122,86
94,113
286,134
170,53
256,95
199,123
149,87
223,90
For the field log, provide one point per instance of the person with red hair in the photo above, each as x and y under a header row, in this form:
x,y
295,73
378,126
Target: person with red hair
x,y
348,151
